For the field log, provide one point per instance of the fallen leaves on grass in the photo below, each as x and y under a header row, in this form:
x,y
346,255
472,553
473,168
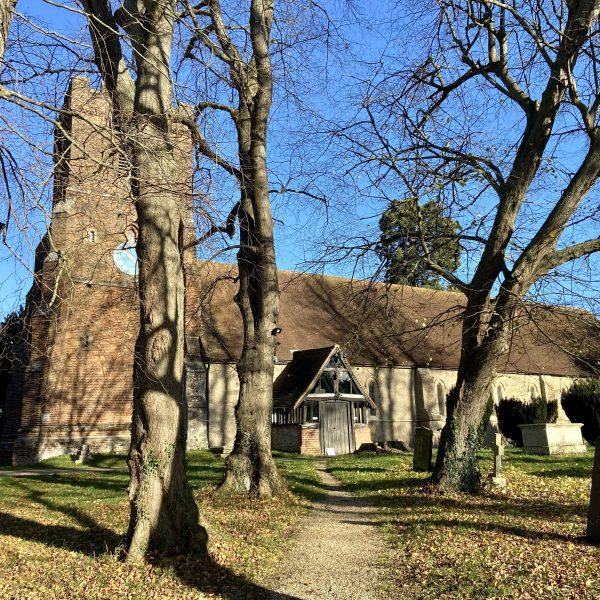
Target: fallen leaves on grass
x,y
60,537
526,542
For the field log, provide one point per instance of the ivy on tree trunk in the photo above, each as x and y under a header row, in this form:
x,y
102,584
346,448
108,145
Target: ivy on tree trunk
x,y
164,515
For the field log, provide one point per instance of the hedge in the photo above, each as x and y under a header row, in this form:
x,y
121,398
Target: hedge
x,y
581,403
512,412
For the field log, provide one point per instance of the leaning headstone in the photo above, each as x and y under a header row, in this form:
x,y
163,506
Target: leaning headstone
x,y
423,449
84,455
593,522
498,448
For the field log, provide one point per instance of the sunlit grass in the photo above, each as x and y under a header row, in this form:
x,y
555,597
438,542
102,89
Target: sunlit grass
x,y
524,542
60,533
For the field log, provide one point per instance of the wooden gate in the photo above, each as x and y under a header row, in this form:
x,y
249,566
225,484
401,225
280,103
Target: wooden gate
x,y
336,428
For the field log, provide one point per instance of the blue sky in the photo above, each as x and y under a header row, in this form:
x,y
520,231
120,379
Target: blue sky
x,y
322,92
301,222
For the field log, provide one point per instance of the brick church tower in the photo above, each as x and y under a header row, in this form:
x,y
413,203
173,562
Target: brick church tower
x,y
75,383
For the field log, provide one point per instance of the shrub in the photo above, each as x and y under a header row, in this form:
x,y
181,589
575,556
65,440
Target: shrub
x,y
512,413
509,413
540,411
581,403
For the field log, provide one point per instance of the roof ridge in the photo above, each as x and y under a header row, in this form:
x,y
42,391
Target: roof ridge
x,y
400,287
327,276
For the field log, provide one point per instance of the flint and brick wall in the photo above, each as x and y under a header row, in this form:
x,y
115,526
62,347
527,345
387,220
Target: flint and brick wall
x,y
286,438
301,439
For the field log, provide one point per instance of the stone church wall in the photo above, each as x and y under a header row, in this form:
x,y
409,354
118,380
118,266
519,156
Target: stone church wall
x,y
223,393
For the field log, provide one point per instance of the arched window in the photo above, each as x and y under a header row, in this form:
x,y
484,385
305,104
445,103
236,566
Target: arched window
x,y
373,390
499,393
441,397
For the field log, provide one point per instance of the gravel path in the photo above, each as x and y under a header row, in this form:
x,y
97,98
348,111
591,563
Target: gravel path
x,y
337,554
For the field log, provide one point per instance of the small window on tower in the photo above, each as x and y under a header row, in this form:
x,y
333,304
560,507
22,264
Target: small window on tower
x,y
92,236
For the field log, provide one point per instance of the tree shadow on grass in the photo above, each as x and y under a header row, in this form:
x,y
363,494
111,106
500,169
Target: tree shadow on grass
x,y
583,471
488,504
211,578
541,459
361,469
439,523
305,487
113,480
107,482
385,484
94,540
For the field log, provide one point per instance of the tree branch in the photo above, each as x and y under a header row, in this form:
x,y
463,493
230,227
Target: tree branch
x,y
181,117
560,257
228,228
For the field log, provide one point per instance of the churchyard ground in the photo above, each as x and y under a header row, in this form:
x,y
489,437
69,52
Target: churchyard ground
x,y
524,542
59,532
59,535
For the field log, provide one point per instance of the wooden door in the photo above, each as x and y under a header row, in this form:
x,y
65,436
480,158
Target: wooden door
x,y
336,427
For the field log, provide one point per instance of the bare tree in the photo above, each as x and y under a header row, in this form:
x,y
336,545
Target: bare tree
x,y
499,121
249,74
164,515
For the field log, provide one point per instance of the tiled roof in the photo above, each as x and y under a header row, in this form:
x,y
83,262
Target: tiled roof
x,y
298,375
379,324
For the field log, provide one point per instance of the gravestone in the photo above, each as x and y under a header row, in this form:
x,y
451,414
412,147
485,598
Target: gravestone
x,y
593,522
498,448
423,449
84,455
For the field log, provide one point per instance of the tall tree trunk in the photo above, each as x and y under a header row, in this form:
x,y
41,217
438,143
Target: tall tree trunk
x,y
7,9
164,516
250,466
484,336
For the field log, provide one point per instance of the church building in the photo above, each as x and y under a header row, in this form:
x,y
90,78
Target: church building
x,y
356,361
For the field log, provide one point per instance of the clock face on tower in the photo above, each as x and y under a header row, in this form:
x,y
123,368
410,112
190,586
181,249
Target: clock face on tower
x,y
125,256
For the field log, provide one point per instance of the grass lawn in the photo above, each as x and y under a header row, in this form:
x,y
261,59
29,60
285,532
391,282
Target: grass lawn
x,y
59,535
524,543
